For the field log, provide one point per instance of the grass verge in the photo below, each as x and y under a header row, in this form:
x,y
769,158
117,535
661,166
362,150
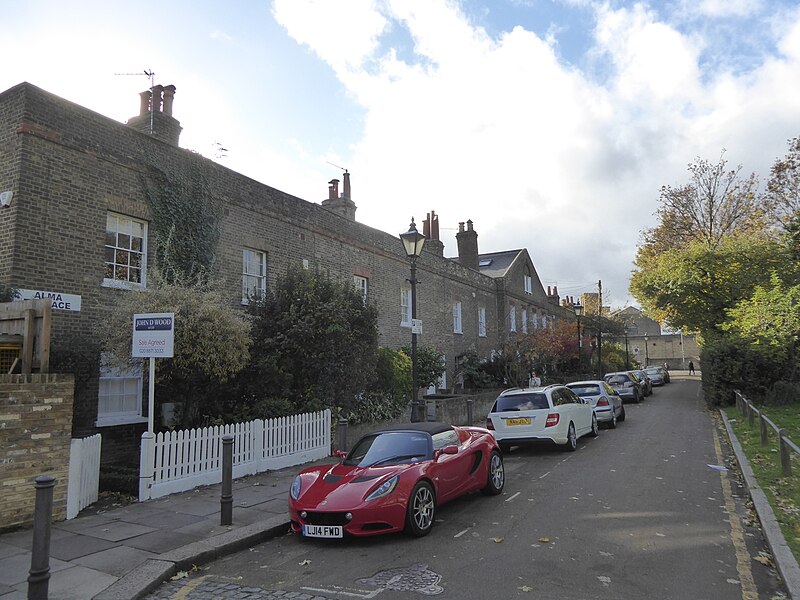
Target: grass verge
x,y
783,492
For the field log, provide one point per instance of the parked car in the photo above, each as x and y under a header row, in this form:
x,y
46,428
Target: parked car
x,y
394,480
551,414
656,375
626,385
644,381
606,402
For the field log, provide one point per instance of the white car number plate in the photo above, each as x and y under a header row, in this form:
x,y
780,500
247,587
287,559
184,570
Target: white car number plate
x,y
323,531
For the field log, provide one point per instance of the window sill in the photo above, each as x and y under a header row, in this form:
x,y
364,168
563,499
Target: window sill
x,y
121,420
121,285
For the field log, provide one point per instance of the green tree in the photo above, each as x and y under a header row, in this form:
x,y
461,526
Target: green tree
x,y
430,365
690,288
390,392
211,339
315,345
769,322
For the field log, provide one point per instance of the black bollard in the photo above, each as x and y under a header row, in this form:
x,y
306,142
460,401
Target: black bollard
x,y
226,501
39,575
341,431
469,411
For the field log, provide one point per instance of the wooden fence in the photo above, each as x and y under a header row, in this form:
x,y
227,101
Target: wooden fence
x,y
84,474
787,446
177,461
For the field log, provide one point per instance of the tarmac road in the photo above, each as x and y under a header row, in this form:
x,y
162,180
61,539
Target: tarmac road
x,y
642,511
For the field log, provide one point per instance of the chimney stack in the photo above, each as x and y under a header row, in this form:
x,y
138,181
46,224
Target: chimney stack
x,y
342,205
467,246
155,115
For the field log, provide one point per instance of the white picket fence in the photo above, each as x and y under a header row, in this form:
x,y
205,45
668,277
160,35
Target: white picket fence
x,y
83,481
176,461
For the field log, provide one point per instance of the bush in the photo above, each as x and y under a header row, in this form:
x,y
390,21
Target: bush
x,y
783,393
119,478
730,364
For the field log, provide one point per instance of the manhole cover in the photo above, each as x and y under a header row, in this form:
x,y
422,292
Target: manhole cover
x,y
416,578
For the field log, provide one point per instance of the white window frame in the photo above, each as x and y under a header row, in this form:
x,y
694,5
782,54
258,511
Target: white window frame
x,y
131,380
512,316
259,278
524,320
528,284
405,307
457,317
481,322
123,226
362,286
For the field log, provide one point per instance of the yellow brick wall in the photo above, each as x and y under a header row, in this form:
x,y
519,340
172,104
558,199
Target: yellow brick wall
x,y
35,435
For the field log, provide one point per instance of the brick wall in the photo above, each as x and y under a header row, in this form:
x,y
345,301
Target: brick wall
x,y
35,426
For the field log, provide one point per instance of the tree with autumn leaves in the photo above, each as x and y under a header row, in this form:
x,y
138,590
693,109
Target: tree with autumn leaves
x,y
723,262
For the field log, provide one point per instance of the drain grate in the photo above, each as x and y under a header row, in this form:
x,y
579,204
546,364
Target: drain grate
x,y
416,578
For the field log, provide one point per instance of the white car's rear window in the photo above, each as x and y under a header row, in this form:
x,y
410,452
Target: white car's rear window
x,y
521,402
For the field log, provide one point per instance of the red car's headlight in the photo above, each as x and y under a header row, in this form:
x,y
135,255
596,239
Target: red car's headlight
x,y
383,489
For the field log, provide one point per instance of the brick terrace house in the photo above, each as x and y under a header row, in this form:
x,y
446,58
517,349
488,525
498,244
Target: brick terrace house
x,y
88,198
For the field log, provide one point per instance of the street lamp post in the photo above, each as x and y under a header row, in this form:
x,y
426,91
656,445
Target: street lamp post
x,y
646,352
627,356
578,312
413,241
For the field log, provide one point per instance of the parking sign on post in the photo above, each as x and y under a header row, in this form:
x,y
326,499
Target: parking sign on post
x,y
153,337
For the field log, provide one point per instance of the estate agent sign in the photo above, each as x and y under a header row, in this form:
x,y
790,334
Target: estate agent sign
x,y
153,335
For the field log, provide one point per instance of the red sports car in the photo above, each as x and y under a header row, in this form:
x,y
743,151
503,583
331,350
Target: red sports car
x,y
393,480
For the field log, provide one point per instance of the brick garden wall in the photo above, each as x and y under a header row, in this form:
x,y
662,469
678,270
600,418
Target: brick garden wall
x,y
35,435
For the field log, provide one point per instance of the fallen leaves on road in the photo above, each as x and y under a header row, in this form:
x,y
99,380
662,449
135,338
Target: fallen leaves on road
x,y
497,540
179,575
304,563
544,540
525,588
765,559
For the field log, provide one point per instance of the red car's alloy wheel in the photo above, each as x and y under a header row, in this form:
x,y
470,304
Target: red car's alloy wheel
x,y
421,509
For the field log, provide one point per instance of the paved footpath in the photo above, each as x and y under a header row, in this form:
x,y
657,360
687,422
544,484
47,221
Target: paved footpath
x,y
126,552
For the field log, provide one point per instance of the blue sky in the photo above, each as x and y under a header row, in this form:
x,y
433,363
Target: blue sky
x,y
551,124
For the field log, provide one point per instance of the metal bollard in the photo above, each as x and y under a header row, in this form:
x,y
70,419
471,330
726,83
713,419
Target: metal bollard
x,y
786,457
39,574
226,501
341,432
764,433
469,411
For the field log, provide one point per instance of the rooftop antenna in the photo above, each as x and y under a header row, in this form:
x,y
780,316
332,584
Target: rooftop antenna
x,y
337,166
152,75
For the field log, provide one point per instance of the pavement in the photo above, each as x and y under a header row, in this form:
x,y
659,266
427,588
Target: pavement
x,y
125,552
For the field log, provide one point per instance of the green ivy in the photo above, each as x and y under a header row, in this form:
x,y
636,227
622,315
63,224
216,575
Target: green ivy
x,y
185,219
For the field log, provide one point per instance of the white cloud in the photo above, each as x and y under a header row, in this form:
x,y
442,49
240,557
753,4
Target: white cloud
x,y
728,8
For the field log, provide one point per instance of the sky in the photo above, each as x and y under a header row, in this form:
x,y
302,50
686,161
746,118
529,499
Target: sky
x,y
551,124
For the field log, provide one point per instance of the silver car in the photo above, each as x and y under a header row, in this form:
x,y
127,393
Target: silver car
x,y
606,402
626,385
656,375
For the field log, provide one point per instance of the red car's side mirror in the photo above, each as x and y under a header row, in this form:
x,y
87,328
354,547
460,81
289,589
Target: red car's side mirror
x,y
445,450
339,453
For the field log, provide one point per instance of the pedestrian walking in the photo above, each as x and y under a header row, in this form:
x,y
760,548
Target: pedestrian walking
x,y
691,368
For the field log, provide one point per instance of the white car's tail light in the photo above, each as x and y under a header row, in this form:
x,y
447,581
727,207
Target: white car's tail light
x,y
489,424
552,420
603,401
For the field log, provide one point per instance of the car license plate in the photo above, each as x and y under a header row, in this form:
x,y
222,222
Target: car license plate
x,y
519,421
323,531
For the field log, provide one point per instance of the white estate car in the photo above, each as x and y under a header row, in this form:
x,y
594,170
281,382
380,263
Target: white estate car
x,y
544,414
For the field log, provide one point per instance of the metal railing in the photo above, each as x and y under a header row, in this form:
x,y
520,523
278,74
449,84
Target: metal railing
x,y
786,446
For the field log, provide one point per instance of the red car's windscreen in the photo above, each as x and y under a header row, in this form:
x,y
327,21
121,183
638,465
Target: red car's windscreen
x,y
390,448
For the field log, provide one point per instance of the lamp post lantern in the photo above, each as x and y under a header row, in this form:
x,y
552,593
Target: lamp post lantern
x,y
578,312
413,241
